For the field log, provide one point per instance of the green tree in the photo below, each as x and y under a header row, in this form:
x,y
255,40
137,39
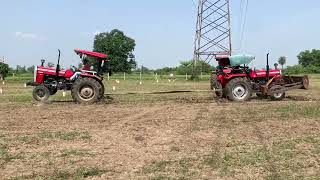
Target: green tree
x,y
4,69
21,69
31,68
282,61
186,67
166,70
119,47
307,58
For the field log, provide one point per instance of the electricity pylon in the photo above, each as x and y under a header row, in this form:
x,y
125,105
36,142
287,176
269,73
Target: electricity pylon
x,y
213,31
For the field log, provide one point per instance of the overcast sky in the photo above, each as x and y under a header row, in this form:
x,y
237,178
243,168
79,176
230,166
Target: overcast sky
x,y
163,29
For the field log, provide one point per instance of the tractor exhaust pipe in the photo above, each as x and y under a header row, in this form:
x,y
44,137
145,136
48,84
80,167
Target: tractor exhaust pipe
x,y
268,67
58,65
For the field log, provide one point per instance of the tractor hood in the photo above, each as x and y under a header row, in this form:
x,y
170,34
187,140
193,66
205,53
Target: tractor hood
x,y
241,59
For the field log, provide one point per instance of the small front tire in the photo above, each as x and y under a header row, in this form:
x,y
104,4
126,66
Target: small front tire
x,y
280,95
41,93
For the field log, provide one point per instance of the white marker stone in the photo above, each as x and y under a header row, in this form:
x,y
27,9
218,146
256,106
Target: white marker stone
x,y
1,92
25,85
140,83
64,94
113,88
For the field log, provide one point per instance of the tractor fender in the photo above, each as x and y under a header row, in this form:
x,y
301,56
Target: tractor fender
x,y
98,78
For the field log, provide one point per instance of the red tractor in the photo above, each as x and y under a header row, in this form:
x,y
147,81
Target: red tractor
x,y
238,82
86,86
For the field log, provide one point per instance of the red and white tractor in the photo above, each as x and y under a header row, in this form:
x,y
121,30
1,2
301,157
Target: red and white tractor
x,y
238,82
86,86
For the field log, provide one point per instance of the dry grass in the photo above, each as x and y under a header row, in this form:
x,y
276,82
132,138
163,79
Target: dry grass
x,y
160,136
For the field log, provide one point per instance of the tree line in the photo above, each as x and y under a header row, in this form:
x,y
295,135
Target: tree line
x,y
120,47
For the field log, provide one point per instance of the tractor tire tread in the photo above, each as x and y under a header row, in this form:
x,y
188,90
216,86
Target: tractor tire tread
x,y
46,95
232,83
85,81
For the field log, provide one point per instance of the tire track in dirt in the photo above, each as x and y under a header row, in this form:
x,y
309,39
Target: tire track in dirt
x,y
209,122
131,120
270,166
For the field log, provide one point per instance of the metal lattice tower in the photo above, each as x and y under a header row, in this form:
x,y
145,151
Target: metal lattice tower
x,y
213,32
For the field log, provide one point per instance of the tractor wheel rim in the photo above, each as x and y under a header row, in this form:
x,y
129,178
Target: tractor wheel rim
x,y
87,93
277,95
40,93
239,92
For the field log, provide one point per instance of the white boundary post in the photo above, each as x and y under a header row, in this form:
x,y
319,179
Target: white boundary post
x,y
157,78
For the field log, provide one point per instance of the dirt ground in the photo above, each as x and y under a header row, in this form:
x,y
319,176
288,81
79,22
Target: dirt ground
x,y
176,136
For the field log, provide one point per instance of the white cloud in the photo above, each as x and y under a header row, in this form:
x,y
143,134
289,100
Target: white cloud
x,y
32,36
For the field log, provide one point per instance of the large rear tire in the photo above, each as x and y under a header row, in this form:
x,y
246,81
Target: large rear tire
x,y
41,93
239,89
86,91
101,90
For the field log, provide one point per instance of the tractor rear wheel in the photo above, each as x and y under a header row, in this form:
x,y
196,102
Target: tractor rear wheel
x,y
41,93
101,90
86,91
239,89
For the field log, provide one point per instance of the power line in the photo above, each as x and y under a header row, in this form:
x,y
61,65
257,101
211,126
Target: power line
x,y
244,24
194,3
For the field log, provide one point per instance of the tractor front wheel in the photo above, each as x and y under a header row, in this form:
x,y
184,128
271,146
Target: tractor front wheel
x,y
280,95
41,93
86,91
239,89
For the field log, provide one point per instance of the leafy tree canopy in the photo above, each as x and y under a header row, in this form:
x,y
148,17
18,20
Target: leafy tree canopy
x,y
307,58
4,69
118,47
282,61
